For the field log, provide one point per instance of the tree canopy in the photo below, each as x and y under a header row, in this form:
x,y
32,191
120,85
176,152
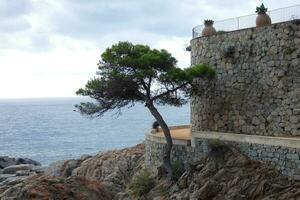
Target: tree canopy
x,y
131,73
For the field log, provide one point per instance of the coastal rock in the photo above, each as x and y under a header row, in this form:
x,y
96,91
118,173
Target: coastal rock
x,y
15,174
226,176
62,168
14,168
6,161
114,168
27,161
45,188
8,181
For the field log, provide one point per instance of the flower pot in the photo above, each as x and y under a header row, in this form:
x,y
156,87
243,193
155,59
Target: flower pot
x,y
263,20
208,30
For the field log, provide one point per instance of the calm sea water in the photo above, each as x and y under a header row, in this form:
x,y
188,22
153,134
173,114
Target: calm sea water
x,y
47,130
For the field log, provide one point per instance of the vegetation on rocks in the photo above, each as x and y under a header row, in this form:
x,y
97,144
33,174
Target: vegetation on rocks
x,y
141,184
178,169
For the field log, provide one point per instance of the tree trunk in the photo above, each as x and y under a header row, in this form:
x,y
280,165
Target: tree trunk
x,y
167,154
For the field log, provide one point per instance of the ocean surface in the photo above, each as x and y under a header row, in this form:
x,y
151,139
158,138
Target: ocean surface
x,y
49,129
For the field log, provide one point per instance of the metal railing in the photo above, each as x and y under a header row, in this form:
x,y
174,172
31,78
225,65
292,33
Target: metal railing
x,y
248,21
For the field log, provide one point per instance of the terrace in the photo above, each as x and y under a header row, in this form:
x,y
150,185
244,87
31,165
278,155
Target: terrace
x,y
248,21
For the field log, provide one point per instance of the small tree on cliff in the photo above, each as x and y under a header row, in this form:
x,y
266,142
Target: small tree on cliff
x,y
136,73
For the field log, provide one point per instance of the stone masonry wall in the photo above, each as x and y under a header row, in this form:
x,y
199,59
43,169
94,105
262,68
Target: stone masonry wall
x,y
285,159
183,153
257,89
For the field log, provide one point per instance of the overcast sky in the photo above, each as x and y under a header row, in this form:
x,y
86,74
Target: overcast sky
x,y
50,48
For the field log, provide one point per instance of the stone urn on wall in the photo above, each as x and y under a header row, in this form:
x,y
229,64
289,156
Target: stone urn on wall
x,y
263,18
208,28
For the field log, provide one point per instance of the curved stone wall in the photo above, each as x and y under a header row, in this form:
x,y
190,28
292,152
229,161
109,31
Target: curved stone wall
x,y
282,153
257,89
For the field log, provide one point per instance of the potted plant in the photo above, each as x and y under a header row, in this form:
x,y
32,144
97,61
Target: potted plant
x,y
263,18
155,127
208,28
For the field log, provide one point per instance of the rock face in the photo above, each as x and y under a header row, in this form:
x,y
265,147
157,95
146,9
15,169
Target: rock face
x,y
226,174
45,188
113,168
14,171
84,178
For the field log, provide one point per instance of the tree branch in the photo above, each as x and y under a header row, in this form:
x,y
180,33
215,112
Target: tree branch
x,y
169,91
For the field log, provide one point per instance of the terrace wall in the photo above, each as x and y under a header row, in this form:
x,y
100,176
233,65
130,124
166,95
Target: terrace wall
x,y
254,102
257,88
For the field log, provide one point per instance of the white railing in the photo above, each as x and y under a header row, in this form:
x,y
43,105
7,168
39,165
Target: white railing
x,y
248,21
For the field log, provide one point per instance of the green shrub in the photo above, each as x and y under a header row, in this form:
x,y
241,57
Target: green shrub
x,y
221,32
208,22
178,169
141,184
261,9
155,125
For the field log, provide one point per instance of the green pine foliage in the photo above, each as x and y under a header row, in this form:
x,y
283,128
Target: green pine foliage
x,y
129,73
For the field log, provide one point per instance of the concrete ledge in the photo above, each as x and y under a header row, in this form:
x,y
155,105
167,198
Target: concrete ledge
x,y
290,142
161,139
173,128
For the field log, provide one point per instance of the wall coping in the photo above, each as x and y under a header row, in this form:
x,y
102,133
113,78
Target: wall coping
x,y
161,139
290,142
244,29
172,128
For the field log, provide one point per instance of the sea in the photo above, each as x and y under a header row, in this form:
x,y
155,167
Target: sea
x,y
50,129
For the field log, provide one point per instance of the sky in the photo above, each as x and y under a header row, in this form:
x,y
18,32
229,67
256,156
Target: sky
x,y
50,48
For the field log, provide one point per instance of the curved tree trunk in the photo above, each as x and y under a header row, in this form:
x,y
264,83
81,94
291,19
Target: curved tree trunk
x,y
166,130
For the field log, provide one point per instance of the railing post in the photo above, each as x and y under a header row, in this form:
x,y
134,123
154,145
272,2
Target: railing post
x,y
238,23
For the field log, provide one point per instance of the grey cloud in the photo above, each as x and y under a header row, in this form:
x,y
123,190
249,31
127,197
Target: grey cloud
x,y
12,13
102,17
13,25
96,20
14,8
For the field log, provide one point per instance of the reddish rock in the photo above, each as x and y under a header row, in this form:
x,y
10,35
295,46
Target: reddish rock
x,y
45,188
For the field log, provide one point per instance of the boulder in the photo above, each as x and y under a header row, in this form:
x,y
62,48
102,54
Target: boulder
x,y
27,161
3,177
14,168
55,168
6,161
62,168
12,180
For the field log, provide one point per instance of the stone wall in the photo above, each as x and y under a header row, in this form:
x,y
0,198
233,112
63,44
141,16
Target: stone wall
x,y
182,151
257,88
283,155
284,159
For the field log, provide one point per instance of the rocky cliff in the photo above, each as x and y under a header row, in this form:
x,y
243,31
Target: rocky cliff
x,y
224,173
